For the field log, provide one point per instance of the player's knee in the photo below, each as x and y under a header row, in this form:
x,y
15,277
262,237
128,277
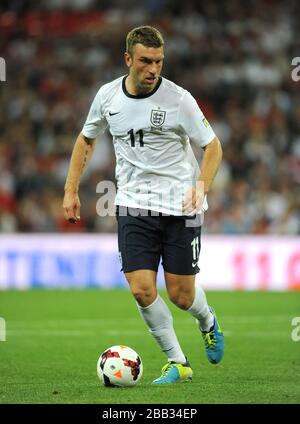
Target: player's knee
x,y
143,296
180,298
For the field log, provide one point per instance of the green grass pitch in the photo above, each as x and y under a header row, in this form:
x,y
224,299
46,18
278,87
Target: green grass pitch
x,y
54,339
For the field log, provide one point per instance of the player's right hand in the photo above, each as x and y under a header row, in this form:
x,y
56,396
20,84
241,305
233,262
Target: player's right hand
x,y
71,207
193,200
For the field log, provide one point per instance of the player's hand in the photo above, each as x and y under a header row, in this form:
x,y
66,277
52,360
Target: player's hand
x,y
193,201
71,207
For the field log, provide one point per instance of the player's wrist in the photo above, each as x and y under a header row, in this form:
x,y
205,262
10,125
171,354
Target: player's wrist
x,y
204,186
71,190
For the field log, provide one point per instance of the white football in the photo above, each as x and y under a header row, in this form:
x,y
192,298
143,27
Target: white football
x,y
119,366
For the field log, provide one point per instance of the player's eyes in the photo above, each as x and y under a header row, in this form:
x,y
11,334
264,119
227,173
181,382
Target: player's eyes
x,y
150,61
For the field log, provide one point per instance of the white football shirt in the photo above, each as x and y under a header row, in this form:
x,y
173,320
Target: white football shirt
x,y
155,164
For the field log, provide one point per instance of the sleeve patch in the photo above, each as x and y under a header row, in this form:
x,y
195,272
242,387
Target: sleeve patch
x,y
205,122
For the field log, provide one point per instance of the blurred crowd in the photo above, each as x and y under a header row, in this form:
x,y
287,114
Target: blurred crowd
x,y
234,57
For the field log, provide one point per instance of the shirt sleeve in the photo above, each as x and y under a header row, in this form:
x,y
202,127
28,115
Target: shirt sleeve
x,y
193,121
95,123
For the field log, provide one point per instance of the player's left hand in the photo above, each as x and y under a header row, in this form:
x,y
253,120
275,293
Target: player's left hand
x,y
193,201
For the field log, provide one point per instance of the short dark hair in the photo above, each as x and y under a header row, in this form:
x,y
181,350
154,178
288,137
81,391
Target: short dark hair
x,y
146,35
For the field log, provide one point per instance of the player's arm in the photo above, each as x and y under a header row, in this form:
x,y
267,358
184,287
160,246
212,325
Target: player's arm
x,y
210,164
81,155
194,197
199,131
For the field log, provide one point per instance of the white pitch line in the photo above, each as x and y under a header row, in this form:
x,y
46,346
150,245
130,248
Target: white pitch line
x,y
48,333
72,322
105,321
136,333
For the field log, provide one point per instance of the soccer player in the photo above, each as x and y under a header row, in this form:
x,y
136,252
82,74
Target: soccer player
x,y
161,192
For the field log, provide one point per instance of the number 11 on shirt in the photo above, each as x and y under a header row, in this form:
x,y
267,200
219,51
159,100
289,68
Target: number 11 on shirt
x,y
132,137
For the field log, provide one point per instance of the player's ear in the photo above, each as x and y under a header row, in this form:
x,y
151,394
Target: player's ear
x,y
128,59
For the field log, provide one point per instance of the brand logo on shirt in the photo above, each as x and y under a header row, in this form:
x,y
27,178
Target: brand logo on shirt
x,y
157,117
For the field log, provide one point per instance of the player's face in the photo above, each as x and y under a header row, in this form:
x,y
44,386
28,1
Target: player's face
x,y
145,66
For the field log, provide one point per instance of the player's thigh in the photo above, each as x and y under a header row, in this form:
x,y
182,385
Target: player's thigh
x,y
181,247
139,241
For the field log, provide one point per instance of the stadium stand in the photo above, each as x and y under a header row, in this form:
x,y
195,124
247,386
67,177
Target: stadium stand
x,y
234,57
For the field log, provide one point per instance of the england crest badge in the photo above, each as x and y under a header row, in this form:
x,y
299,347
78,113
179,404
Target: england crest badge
x,y
157,117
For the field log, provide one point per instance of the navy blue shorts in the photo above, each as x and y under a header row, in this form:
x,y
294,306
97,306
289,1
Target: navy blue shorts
x,y
145,240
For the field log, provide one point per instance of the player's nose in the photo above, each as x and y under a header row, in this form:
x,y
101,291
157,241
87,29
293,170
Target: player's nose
x,y
153,70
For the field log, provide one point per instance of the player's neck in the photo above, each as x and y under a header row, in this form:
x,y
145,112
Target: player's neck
x,y
134,89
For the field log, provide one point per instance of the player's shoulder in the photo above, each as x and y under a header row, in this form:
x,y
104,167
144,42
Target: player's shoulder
x,y
173,88
108,90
